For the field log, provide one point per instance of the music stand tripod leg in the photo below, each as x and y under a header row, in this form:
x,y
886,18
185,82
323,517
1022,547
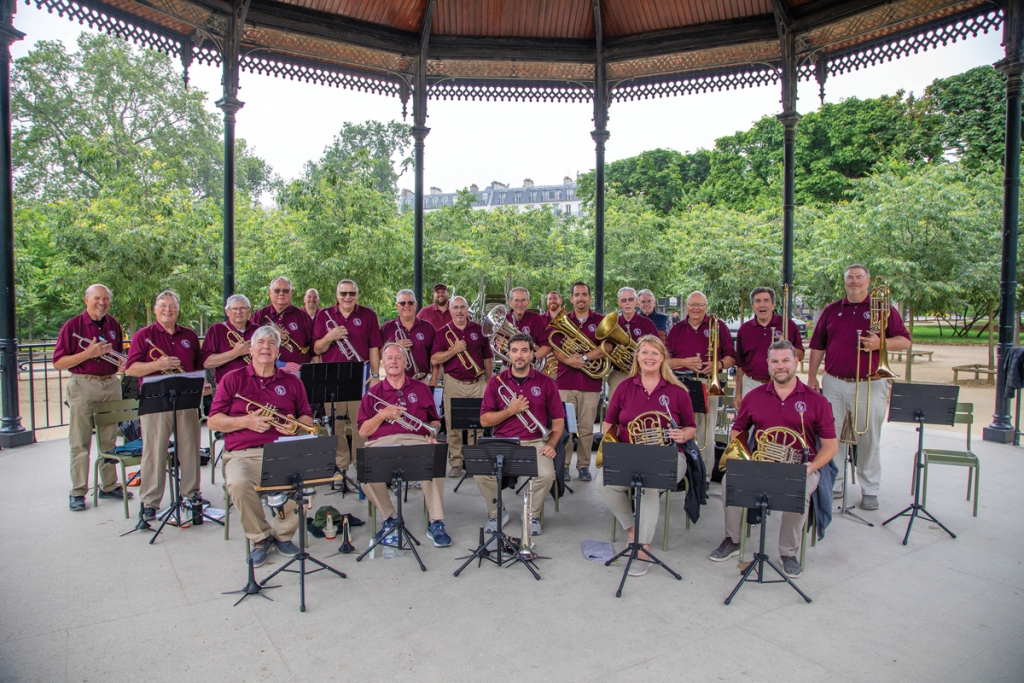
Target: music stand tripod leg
x,y
252,587
759,560
403,532
465,438
175,492
914,508
634,547
851,462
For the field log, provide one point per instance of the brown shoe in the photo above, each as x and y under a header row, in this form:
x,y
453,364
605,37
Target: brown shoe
x,y
455,472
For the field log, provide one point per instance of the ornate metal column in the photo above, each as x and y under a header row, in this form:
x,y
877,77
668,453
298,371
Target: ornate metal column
x,y
419,134
600,137
1012,66
789,118
12,433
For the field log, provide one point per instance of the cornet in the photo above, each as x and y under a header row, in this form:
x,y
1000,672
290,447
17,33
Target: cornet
x,y
407,422
156,353
111,356
344,345
529,420
467,360
235,338
279,420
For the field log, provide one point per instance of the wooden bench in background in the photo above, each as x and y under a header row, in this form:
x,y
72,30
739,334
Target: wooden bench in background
x,y
977,368
897,356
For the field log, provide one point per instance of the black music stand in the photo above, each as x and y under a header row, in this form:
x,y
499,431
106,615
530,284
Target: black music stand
x,y
291,466
851,462
640,467
695,388
497,459
766,486
465,416
924,404
330,383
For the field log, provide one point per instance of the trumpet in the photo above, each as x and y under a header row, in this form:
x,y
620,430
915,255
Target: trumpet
x,y
623,346
286,339
235,338
467,360
111,356
278,420
529,420
156,353
407,422
574,341
410,361
344,345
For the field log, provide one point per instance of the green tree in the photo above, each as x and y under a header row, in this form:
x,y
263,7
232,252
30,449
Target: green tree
x,y
973,108
374,146
664,178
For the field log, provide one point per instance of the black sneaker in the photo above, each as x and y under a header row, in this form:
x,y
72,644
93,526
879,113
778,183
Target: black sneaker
x,y
76,503
790,567
147,513
116,493
566,475
584,474
724,551
259,552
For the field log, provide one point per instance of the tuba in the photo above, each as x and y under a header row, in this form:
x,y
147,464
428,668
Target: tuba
x,y
623,347
574,341
776,444
501,330
878,323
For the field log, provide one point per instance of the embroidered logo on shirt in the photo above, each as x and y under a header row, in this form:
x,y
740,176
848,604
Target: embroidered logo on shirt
x,y
707,332
185,344
801,407
867,315
413,398
535,391
776,334
294,327
592,328
472,335
526,329
663,400
419,336
279,390
357,322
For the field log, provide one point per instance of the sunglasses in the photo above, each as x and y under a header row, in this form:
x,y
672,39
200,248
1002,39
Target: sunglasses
x,y
345,294
281,291
406,303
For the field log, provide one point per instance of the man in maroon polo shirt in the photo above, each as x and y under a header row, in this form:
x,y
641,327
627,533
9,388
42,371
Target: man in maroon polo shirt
x,y
528,322
454,344
783,402
634,325
753,339
292,323
221,346
689,345
417,338
553,306
841,329
538,394
574,385
246,433
438,313
311,303
158,349
357,329
93,380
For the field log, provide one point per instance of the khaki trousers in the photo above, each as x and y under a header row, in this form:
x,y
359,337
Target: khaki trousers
x,y
157,430
617,500
841,395
433,490
615,378
791,529
454,388
539,485
706,426
242,473
350,411
585,403
749,385
81,395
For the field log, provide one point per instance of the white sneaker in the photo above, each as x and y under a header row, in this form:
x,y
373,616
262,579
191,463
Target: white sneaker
x,y
492,524
535,528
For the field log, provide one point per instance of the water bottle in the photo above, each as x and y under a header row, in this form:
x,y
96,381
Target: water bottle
x,y
388,553
373,549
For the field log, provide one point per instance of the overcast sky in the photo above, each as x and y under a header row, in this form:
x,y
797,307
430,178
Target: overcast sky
x,y
289,122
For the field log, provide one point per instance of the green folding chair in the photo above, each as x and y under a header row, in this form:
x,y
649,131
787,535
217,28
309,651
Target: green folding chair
x,y
113,412
968,459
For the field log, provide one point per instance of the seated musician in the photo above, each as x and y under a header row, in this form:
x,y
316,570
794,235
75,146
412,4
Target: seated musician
x,y
783,402
639,412
514,402
380,423
245,434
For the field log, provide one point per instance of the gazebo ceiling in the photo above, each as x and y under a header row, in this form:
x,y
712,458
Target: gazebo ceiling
x,y
540,49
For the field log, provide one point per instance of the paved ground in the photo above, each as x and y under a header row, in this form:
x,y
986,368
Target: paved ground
x,y
78,603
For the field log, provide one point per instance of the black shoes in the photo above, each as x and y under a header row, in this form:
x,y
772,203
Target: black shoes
x,y
76,503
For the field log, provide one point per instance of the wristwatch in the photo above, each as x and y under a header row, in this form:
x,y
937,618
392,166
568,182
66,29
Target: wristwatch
x,y
585,359
375,376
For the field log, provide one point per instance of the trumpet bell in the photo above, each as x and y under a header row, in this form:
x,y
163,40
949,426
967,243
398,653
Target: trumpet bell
x,y
609,329
736,450
609,437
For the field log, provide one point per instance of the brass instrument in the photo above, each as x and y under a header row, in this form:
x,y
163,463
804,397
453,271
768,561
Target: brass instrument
x,y
529,420
878,301
501,330
278,420
623,347
409,423
111,356
286,339
234,338
785,312
575,341
646,429
526,540
410,362
348,351
467,360
156,353
714,382
776,444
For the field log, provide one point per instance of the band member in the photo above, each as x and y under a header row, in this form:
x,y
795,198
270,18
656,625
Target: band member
x,y
753,339
414,336
158,349
652,394
464,353
835,339
226,345
246,433
348,332
292,322
380,425
311,303
82,345
517,402
574,385
689,344
783,402
553,306
634,324
528,322
647,302
437,313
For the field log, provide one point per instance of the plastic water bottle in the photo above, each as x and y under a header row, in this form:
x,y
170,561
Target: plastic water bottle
x,y
373,549
388,552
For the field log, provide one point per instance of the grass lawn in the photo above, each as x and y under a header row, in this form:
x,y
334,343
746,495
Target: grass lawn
x,y
929,334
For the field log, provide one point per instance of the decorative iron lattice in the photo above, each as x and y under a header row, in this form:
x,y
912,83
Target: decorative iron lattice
x,y
698,83
135,31
274,65
512,91
208,55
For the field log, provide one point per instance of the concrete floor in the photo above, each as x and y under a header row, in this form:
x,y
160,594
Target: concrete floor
x,y
78,603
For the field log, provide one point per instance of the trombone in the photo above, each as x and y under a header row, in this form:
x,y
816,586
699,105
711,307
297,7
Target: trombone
x,y
407,422
344,345
467,360
235,338
878,302
111,356
156,353
286,339
529,420
278,420
714,383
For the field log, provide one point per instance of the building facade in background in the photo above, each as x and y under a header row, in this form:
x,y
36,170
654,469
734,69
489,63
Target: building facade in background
x,y
561,198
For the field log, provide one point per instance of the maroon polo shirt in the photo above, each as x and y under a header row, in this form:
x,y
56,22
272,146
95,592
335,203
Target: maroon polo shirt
x,y
108,330
435,317
478,346
753,340
283,390
685,342
295,321
631,400
638,326
415,396
571,379
836,334
183,344
763,408
539,389
216,341
532,324
363,332
422,337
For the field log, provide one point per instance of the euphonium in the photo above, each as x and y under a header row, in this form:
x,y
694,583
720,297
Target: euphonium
x,y
407,422
574,341
111,356
235,338
501,331
878,301
156,353
623,347
467,360
775,444
279,420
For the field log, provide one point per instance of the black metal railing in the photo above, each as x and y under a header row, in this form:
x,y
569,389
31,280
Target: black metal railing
x,y
40,387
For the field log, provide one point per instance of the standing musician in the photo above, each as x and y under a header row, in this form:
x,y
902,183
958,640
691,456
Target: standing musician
x,y
651,395
647,302
465,354
528,322
689,343
311,303
438,313
414,336
246,432
519,403
86,346
634,324
835,339
753,339
164,348
783,402
226,345
348,332
292,322
574,385
553,304
380,423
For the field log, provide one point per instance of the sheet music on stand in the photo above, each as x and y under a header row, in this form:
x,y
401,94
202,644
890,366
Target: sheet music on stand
x,y
695,388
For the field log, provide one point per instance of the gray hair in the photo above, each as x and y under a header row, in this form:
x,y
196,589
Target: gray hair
x,y
348,281
782,345
696,292
761,290
646,291
456,298
388,345
399,296
91,287
524,290
856,266
236,298
282,278
618,295
168,294
266,332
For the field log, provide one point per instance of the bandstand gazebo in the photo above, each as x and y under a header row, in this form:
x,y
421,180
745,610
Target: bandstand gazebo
x,y
598,51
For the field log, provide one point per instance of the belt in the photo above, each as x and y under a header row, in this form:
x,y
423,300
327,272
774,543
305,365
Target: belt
x,y
462,381
102,378
851,380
